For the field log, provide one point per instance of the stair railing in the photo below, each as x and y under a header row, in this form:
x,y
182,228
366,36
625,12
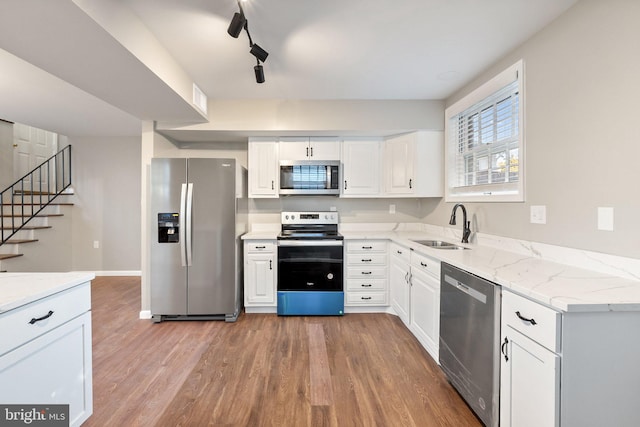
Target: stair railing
x,y
57,173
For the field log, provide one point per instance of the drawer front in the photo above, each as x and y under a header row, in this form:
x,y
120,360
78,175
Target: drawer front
x,y
372,272
426,264
367,246
23,323
400,252
367,259
366,298
367,285
260,246
534,320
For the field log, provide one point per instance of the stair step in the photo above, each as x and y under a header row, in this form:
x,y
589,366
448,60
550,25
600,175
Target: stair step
x,y
38,193
29,227
26,216
19,241
7,256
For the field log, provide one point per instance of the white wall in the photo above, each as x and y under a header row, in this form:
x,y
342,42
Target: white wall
x,y
106,182
582,136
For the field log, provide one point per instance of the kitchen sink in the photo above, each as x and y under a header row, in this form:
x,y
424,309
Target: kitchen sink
x,y
439,244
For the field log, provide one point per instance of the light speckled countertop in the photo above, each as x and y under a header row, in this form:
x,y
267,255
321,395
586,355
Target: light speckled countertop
x,y
18,289
562,287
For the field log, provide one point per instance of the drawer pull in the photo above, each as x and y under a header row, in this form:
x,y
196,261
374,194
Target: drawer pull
x,y
366,272
366,260
46,316
261,247
399,252
423,264
367,247
532,321
502,349
365,298
366,285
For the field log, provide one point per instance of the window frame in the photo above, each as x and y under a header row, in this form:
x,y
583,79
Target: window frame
x,y
508,192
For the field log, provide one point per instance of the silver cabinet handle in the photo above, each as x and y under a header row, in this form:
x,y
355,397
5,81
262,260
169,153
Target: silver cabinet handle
x,y
182,224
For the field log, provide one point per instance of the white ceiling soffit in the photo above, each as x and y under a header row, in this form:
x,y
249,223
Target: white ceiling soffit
x,y
59,37
32,96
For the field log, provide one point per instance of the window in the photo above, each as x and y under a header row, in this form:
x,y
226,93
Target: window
x,y
485,144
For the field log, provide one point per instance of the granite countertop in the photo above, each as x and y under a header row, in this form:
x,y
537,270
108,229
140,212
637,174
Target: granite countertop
x,y
18,289
559,286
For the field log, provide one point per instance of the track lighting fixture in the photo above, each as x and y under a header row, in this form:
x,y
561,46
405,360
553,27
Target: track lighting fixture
x,y
259,52
259,73
239,22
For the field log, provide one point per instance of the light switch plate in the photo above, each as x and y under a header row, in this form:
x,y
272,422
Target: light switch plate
x,y
538,214
605,219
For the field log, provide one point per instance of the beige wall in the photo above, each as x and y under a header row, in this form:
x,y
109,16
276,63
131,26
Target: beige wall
x,y
6,154
582,137
106,181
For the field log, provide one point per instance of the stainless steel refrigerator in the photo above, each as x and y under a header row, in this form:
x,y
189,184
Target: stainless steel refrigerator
x,y
197,216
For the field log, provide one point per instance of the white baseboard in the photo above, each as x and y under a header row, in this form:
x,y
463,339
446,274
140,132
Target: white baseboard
x,y
145,314
119,273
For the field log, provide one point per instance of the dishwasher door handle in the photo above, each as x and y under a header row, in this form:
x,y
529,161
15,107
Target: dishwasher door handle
x,y
466,289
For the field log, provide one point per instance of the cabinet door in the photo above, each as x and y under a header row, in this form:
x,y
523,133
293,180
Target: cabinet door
x,y
529,382
294,149
400,289
260,284
400,161
54,368
263,169
425,310
321,148
361,171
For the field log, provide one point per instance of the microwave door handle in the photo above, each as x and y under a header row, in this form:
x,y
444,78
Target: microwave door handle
x,y
328,170
181,224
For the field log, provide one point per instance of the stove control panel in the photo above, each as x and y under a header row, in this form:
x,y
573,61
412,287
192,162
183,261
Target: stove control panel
x,y
309,217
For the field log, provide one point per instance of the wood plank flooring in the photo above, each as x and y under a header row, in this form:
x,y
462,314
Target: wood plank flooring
x,y
263,370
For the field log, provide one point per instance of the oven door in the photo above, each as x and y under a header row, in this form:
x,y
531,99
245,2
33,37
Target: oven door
x,y
310,265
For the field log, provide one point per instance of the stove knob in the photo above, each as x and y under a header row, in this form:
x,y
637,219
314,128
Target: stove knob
x,y
293,217
286,217
326,217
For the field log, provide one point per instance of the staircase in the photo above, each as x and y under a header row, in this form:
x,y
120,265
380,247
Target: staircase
x,y
29,205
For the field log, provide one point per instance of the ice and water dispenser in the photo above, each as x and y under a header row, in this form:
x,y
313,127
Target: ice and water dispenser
x,y
168,227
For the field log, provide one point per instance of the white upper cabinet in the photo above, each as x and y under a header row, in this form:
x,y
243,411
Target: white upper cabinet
x,y
315,148
263,168
414,165
361,167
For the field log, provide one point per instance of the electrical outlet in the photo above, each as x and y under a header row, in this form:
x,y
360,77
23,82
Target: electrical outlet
x,y
392,209
538,214
96,244
605,219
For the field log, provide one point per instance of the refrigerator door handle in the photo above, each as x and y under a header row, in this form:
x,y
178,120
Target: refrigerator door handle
x,y
189,221
181,223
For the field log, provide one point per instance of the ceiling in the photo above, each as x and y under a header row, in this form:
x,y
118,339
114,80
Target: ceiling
x,y
331,49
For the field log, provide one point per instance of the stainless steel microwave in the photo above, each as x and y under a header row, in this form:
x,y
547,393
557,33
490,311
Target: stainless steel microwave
x,y
310,177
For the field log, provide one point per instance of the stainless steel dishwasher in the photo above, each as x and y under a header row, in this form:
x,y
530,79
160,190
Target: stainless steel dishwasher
x,y
470,339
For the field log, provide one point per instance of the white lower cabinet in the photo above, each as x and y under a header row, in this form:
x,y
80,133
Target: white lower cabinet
x,y
529,382
399,287
425,302
366,265
47,358
260,274
569,369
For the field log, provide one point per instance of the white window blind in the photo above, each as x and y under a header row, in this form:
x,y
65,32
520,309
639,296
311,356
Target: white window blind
x,y
484,155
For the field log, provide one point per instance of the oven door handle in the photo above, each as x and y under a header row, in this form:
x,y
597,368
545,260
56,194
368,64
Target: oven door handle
x,y
310,243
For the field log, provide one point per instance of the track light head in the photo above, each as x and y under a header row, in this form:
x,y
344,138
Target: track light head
x,y
259,73
237,24
259,52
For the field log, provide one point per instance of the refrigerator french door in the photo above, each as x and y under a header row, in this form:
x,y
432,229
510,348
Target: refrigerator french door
x,y
194,240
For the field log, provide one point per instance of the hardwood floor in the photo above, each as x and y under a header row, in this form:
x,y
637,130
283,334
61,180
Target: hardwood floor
x,y
263,370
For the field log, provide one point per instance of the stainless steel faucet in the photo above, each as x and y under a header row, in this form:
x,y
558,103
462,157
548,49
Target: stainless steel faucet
x,y
466,225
